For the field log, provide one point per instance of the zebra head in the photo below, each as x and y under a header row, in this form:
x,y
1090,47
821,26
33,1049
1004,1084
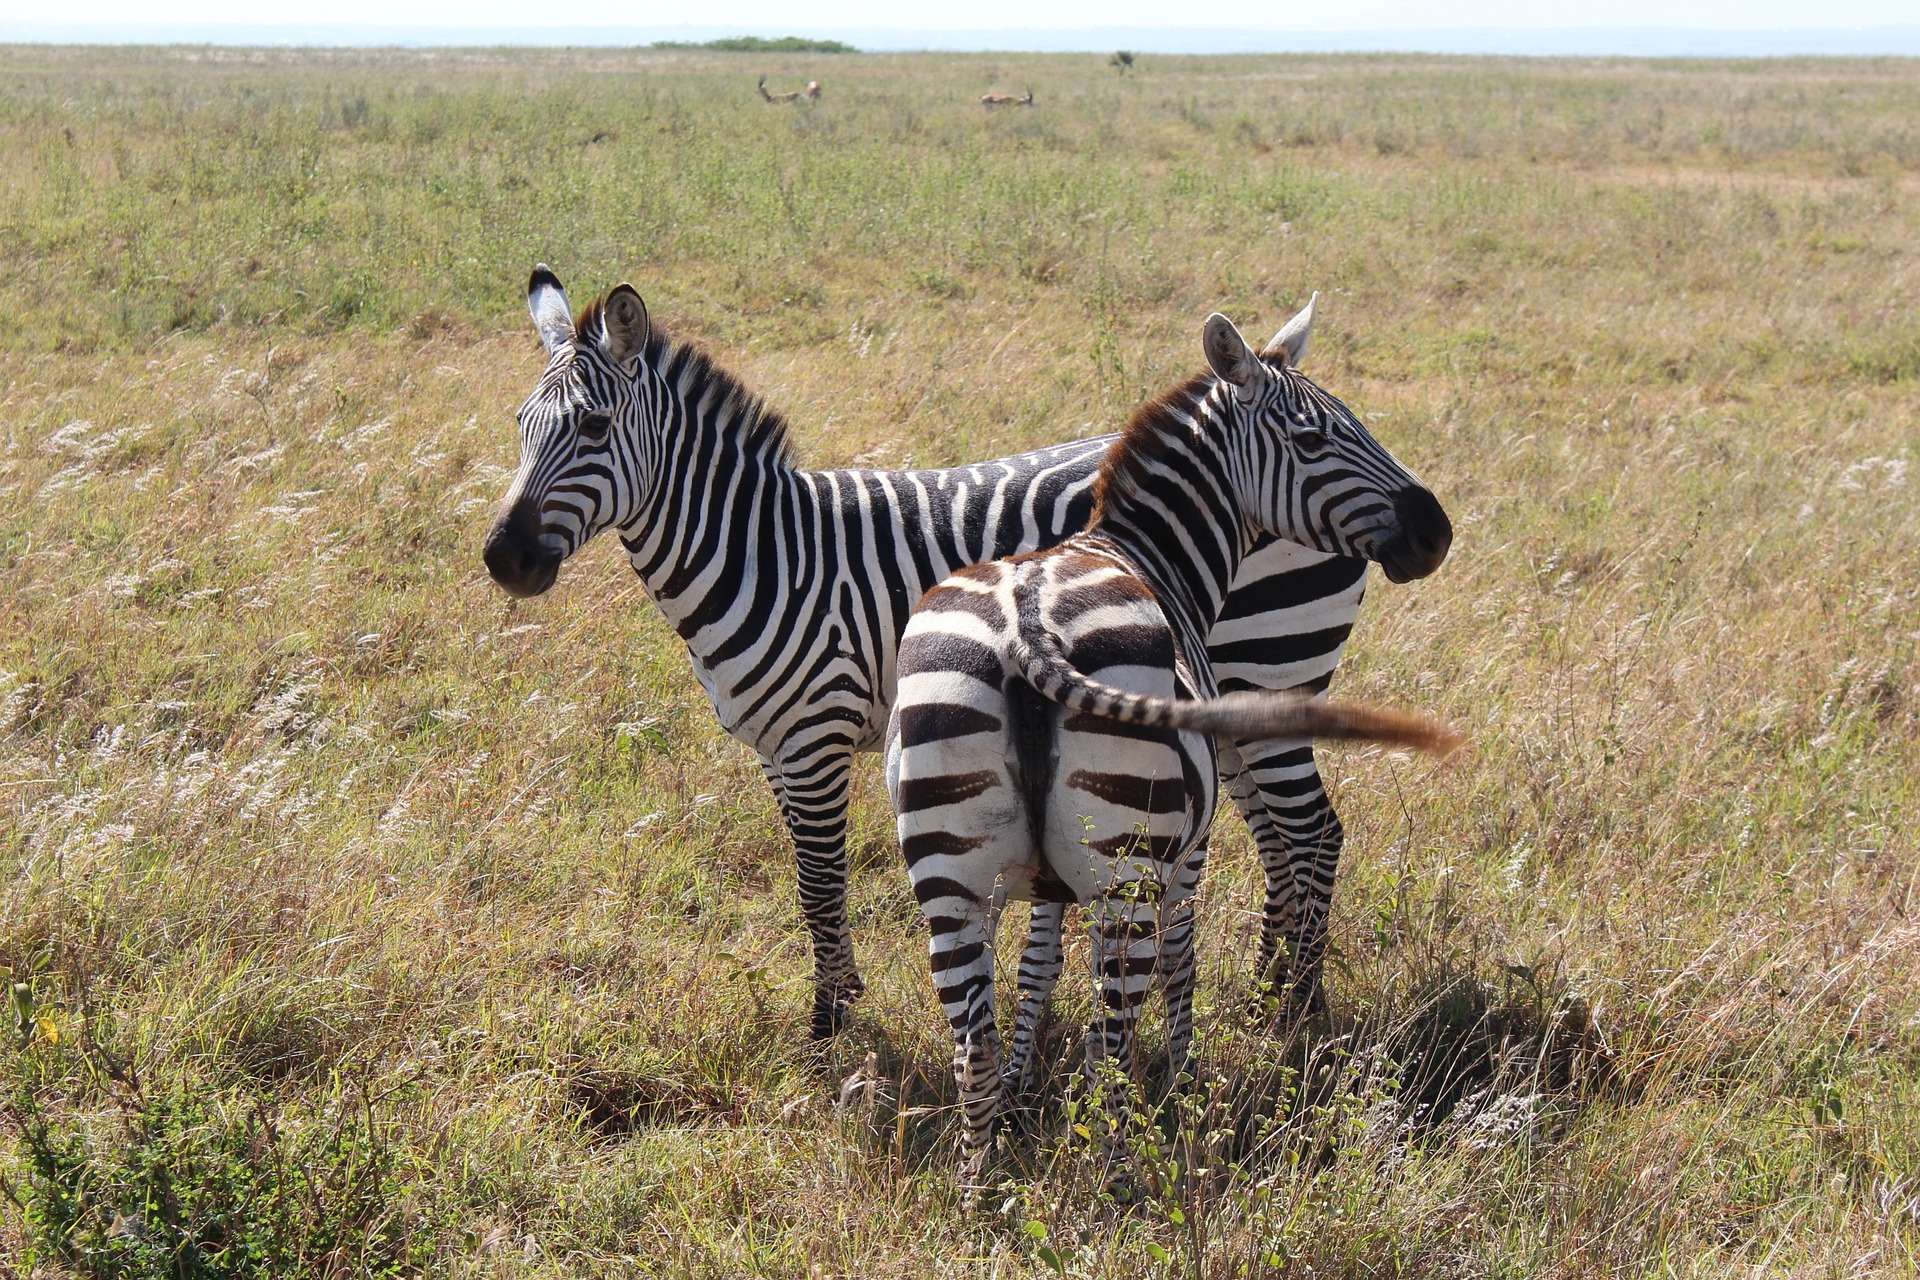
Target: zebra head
x,y
579,436
1307,470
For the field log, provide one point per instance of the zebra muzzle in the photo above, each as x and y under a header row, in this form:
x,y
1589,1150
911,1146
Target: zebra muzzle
x,y
1424,537
519,557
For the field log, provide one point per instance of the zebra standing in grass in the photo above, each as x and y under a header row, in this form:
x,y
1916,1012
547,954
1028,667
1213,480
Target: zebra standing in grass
x,y
1015,773
790,587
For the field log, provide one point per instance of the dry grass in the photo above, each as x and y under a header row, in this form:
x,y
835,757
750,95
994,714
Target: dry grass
x,y
387,924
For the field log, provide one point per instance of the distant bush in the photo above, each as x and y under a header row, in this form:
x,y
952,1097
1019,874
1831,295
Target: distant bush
x,y
760,44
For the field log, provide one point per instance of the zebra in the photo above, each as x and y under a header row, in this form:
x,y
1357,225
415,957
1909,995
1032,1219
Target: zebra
x,y
1016,773
790,588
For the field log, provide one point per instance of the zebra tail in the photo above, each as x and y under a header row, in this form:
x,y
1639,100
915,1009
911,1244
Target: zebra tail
x,y
1252,714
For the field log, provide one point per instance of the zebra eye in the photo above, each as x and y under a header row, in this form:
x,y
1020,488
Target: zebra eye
x,y
1309,435
594,426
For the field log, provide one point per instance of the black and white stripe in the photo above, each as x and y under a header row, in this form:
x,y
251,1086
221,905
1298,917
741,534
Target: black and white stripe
x,y
1053,735
791,587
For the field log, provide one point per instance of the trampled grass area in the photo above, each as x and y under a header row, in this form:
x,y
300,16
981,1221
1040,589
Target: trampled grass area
x,y
365,920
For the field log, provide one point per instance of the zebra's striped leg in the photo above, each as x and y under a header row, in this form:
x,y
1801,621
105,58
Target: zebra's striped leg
x,y
1177,975
1039,974
961,952
1176,960
1126,951
1311,950
1280,914
813,793
1279,792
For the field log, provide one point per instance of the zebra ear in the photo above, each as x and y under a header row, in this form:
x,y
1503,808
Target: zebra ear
x,y
547,304
1290,344
627,323
1227,352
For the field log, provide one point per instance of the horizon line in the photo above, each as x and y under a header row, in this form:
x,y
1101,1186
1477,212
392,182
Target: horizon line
x,y
813,31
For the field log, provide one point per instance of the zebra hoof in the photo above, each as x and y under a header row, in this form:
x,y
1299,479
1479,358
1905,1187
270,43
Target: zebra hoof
x,y
832,1006
1283,1006
976,1177
829,1018
1266,1001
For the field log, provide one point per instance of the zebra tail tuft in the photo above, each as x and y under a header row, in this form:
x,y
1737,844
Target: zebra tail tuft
x,y
1042,663
1269,714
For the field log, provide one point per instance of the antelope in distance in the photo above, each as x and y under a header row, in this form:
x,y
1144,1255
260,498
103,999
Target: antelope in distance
x,y
811,93
992,100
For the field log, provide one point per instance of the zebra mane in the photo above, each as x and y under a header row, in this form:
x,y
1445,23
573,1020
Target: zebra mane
x,y
1148,434
1145,437
733,410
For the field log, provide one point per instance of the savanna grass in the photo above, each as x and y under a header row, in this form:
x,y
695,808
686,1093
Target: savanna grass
x,y
361,917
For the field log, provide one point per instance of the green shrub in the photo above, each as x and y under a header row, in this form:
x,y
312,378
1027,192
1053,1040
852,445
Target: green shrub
x,y
190,1184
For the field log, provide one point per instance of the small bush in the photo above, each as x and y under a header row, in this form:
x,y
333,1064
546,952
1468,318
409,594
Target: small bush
x,y
191,1187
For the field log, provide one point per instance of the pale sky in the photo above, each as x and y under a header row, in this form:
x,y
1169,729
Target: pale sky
x,y
773,16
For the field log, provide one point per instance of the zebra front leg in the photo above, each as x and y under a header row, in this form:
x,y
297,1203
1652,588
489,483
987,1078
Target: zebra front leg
x,y
1277,788
813,795
1319,863
1039,974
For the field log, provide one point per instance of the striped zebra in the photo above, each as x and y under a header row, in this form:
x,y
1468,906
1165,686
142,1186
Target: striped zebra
x,y
1052,738
790,588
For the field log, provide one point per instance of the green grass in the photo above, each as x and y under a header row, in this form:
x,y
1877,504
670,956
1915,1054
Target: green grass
x,y
363,919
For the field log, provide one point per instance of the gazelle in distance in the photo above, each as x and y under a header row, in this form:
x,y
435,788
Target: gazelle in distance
x,y
992,100
811,93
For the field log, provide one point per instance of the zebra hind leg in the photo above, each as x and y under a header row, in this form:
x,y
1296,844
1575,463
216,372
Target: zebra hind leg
x,y
1040,964
961,953
1126,953
1177,978
1176,964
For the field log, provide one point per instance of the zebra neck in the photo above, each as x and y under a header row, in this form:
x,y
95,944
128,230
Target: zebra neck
x,y
724,498
1190,584
1176,522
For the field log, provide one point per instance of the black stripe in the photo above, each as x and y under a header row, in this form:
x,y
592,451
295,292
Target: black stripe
x,y
943,789
938,721
1144,795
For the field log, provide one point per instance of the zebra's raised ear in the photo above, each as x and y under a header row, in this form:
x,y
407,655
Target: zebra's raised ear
x,y
547,304
1227,352
1290,344
627,323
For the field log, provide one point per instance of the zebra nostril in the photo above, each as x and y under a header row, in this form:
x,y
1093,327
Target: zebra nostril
x,y
1424,520
499,558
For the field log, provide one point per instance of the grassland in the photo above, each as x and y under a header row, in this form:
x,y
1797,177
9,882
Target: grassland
x,y
364,920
